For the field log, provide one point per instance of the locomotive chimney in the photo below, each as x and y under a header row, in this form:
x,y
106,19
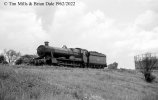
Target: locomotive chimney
x,y
46,43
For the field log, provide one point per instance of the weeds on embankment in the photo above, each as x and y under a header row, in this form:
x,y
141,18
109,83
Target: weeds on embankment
x,y
54,83
21,86
27,85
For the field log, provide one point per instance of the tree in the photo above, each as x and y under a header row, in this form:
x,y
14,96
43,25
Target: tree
x,y
11,55
147,65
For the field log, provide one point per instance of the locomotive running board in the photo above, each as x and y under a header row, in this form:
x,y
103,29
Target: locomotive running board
x,y
70,65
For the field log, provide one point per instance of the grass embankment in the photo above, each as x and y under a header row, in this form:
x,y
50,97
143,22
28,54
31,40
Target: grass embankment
x,y
47,83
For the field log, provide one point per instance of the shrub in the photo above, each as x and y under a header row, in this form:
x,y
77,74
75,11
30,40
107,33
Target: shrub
x,y
26,59
146,66
3,60
149,77
113,66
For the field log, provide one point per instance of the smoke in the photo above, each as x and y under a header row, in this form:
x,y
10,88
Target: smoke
x,y
45,14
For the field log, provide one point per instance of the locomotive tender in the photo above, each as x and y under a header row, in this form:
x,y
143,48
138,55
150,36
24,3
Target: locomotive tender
x,y
74,57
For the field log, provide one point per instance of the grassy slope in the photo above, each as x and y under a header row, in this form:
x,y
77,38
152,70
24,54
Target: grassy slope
x,y
32,83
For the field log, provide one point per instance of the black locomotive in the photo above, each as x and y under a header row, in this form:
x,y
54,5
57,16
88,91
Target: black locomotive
x,y
74,57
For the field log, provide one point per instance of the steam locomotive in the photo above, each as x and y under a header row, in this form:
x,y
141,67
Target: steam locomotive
x,y
73,57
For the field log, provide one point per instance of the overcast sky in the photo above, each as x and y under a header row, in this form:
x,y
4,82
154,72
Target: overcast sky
x,y
118,28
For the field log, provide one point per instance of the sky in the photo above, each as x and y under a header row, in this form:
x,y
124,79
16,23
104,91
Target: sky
x,y
120,29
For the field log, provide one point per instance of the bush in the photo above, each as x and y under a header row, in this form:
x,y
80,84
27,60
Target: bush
x,y
149,77
26,59
3,60
147,65
113,65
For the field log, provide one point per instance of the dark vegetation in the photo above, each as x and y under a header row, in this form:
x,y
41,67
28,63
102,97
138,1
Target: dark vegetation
x,y
3,59
113,65
25,59
147,65
13,57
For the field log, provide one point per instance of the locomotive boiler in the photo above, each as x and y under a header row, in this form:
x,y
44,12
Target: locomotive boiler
x,y
74,57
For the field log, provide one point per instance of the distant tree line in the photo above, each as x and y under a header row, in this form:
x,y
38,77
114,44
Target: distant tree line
x,y
13,57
